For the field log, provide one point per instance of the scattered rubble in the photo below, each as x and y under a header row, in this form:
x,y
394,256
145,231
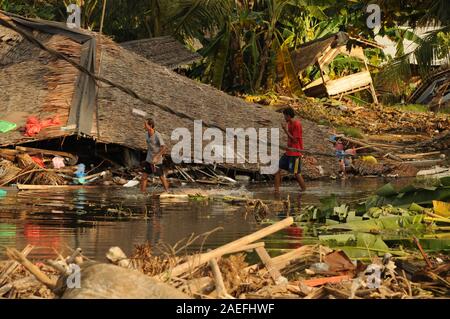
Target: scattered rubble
x,y
358,256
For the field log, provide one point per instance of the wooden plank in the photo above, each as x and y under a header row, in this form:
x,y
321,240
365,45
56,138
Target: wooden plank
x,y
198,260
267,261
284,260
13,265
50,187
418,155
348,83
425,163
218,279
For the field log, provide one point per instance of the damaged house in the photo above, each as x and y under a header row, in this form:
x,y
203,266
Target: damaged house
x,y
83,88
321,53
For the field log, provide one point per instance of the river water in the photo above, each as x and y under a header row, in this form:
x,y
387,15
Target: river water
x,y
56,221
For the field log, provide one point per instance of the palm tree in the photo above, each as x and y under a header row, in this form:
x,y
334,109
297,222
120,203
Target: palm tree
x,y
432,14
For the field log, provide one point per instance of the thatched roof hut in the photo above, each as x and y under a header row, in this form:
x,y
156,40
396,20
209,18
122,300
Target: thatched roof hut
x,y
35,82
165,51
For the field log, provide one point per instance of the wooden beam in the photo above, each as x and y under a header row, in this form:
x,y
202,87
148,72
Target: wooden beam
x,y
267,261
218,279
198,260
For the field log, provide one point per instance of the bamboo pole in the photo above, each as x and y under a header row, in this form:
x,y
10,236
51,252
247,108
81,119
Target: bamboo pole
x,y
218,279
198,260
268,262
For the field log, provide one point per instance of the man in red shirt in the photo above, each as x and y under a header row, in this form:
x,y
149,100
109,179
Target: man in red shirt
x,y
291,161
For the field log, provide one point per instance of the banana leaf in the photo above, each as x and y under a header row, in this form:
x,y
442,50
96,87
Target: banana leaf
x,y
435,245
358,245
422,196
384,223
445,181
386,190
284,62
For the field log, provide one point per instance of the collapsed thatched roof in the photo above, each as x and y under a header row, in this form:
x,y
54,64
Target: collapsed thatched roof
x,y
165,51
36,83
308,53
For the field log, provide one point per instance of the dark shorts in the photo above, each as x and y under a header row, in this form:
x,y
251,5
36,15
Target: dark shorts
x,y
157,170
292,164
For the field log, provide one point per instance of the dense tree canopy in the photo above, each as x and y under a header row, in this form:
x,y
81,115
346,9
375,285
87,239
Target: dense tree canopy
x,y
246,43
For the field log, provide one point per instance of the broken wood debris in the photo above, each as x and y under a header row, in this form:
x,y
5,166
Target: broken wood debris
x,y
212,275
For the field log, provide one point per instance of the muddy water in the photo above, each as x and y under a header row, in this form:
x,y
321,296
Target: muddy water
x,y
97,219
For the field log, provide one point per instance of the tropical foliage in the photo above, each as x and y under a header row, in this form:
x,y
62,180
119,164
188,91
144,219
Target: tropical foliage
x,y
246,44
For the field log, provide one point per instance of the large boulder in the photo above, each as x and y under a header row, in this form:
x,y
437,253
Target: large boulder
x,y
105,281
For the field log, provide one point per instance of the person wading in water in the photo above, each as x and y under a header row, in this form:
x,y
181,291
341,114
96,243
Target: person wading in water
x,y
291,161
154,160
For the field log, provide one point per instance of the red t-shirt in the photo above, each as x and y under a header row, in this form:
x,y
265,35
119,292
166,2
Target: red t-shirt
x,y
296,130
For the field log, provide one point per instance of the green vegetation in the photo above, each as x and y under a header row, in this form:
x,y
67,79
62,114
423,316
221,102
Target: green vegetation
x,y
383,221
246,44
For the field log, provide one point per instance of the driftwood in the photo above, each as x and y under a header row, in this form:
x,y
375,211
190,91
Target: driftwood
x,y
20,258
282,261
425,163
418,155
218,279
198,260
268,262
13,265
376,149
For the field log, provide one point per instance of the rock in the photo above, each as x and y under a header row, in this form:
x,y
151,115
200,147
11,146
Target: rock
x,y
105,281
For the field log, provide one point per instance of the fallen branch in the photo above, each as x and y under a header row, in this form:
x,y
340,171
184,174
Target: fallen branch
x,y
13,265
14,254
422,252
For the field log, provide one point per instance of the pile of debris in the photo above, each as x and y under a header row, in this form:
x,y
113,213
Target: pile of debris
x,y
32,166
45,62
389,246
372,119
309,272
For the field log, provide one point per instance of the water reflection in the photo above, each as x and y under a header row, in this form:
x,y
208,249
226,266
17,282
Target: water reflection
x,y
95,220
